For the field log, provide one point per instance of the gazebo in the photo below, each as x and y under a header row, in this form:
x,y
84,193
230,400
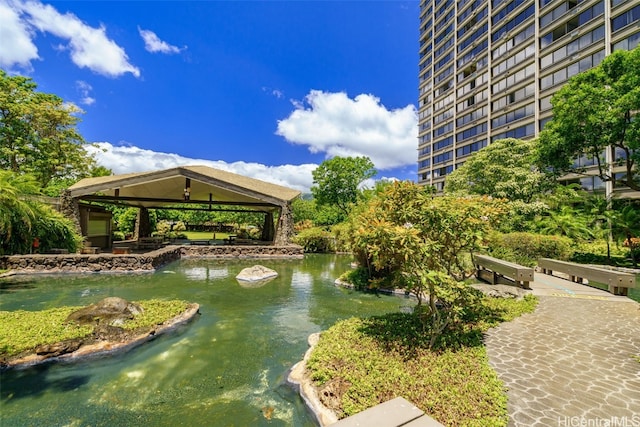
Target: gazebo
x,y
196,187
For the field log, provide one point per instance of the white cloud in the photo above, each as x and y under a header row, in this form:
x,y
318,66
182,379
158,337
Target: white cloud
x,y
17,47
89,47
128,159
85,90
153,44
339,126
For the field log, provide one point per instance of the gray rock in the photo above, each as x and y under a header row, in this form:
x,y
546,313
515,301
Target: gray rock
x,y
501,291
110,311
257,275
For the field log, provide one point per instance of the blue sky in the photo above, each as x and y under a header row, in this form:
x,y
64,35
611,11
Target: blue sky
x,y
267,89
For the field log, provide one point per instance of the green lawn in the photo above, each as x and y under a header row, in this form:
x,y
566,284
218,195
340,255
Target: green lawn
x,y
203,235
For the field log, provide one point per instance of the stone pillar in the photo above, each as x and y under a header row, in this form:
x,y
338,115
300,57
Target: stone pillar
x,y
268,229
284,230
143,224
70,209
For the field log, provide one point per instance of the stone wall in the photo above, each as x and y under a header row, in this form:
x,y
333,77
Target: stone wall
x,y
267,251
150,261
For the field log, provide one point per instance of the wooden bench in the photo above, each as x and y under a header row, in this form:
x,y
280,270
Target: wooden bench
x,y
58,251
199,242
496,270
90,250
617,281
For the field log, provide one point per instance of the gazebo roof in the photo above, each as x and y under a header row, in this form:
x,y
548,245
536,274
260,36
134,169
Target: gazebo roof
x,y
167,187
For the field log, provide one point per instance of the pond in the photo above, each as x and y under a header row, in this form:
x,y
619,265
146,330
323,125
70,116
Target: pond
x,y
227,368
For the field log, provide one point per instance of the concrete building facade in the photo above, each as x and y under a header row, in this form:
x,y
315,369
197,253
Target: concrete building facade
x,y
488,69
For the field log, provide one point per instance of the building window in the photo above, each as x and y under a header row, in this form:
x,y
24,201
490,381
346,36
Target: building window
x,y
628,17
629,43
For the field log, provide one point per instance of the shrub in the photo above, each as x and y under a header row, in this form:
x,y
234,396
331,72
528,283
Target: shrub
x,y
526,248
118,236
358,277
342,234
315,240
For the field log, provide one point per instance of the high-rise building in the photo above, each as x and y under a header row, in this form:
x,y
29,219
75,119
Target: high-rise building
x,y
488,69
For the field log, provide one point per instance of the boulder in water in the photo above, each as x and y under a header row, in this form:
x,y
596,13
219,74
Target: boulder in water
x,y
256,276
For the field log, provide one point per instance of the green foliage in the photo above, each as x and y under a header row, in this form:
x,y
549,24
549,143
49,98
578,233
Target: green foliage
x,y
525,248
164,227
315,240
22,331
38,134
504,169
593,111
567,222
16,211
406,228
303,210
124,218
358,277
336,181
54,230
23,218
408,239
341,237
387,356
156,311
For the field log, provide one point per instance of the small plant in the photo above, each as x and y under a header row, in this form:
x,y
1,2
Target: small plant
x,y
315,240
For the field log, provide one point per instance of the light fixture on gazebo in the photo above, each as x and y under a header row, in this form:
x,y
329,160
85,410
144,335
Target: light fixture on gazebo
x,y
187,189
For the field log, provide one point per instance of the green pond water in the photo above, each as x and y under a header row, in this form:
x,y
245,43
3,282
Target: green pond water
x,y
226,368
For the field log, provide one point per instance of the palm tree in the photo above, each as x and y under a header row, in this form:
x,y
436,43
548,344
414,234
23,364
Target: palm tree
x,y
16,211
565,222
627,226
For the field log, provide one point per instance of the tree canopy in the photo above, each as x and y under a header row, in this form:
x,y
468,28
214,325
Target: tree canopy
x,y
38,133
337,180
504,169
595,110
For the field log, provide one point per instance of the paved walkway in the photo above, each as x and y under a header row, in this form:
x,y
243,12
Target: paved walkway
x,y
570,363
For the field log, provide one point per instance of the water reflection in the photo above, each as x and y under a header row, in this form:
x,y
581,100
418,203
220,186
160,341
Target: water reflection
x,y
226,368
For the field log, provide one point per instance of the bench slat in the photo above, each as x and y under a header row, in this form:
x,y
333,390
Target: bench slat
x,y
617,281
518,273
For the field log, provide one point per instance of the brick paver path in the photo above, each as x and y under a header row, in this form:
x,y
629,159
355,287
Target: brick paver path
x,y
570,363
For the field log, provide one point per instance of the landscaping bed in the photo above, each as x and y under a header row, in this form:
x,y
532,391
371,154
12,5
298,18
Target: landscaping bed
x,y
359,363
31,337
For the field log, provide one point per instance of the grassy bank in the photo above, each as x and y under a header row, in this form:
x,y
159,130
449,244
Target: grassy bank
x,y
363,362
22,331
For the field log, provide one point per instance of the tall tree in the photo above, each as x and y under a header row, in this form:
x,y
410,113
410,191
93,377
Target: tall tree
x,y
504,169
38,133
597,109
337,180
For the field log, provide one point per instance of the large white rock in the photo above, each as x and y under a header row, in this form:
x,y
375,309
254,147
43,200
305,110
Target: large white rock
x,y
258,274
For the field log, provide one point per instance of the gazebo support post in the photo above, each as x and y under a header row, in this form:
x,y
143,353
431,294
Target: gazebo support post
x,y
70,209
268,229
143,224
284,230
